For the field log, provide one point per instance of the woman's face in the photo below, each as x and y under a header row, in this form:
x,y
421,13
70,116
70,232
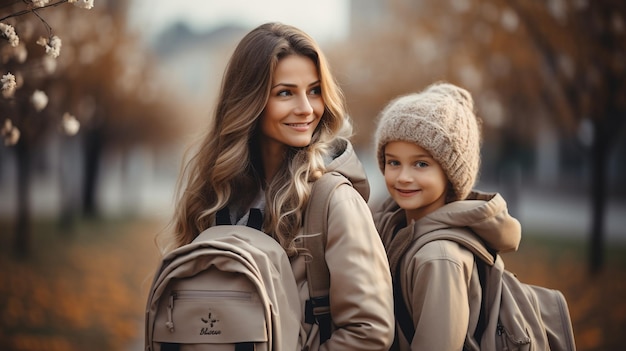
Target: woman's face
x,y
295,105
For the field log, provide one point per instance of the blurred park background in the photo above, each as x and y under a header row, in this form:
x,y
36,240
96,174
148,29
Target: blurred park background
x,y
88,169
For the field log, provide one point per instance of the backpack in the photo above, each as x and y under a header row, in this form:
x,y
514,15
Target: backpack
x,y
514,315
232,288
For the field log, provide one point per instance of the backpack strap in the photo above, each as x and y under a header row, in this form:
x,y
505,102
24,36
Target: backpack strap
x,y
222,217
317,309
401,310
255,219
466,239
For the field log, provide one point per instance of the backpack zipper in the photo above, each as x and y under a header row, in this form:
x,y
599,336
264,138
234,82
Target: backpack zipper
x,y
199,295
209,294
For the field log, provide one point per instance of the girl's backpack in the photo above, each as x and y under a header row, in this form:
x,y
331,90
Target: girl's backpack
x,y
514,315
233,287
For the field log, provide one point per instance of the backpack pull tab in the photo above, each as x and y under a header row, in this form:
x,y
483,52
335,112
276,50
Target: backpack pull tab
x,y
170,310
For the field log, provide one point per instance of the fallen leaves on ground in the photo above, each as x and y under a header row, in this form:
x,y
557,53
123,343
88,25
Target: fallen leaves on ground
x,y
85,292
88,291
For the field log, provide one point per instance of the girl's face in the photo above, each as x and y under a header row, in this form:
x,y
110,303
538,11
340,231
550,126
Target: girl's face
x,y
414,179
295,105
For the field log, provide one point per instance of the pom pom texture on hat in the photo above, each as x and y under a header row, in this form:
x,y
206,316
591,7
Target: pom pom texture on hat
x,y
441,120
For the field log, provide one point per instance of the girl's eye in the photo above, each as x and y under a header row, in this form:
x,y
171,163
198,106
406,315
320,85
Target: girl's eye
x,y
393,163
421,164
316,91
284,93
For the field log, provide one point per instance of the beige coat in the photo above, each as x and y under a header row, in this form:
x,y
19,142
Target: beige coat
x,y
361,297
440,283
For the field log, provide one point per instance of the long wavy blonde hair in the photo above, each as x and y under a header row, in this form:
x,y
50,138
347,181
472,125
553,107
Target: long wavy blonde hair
x,y
227,169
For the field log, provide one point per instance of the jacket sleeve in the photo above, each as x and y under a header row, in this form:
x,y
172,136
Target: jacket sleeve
x,y
437,280
361,298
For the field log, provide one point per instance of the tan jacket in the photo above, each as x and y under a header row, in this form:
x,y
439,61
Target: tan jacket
x,y
361,297
439,282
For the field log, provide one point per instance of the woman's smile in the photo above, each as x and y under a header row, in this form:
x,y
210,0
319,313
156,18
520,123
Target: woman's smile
x,y
300,127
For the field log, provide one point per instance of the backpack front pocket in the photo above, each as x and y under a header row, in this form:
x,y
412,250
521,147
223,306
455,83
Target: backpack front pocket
x,y
234,313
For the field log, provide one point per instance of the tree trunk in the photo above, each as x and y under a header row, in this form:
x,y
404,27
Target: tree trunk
x,y
599,164
93,153
23,226
70,178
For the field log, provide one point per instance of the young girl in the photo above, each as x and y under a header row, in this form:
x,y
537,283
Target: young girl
x,y
428,148
279,124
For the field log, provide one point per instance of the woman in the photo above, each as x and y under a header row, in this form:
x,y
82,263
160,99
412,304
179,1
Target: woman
x,y
279,124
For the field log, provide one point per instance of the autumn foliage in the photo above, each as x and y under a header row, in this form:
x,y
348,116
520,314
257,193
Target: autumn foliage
x,y
89,293
82,293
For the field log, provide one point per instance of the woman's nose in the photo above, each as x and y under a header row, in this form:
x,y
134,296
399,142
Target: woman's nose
x,y
304,106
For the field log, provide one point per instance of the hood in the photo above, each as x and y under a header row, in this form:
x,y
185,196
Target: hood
x,y
345,161
485,214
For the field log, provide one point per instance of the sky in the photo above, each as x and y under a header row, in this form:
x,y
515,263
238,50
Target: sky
x,y
325,20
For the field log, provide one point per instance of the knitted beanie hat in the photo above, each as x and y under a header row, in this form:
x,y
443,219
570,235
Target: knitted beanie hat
x,y
441,120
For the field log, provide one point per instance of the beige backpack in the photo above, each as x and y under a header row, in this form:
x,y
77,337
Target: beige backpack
x,y
232,288
514,315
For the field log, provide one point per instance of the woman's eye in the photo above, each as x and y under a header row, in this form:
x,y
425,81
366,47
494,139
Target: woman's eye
x,y
284,93
316,91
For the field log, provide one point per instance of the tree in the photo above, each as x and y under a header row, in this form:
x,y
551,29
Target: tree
x,y
582,46
100,87
528,64
23,100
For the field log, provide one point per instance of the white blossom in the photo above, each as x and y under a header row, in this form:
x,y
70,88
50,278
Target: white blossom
x,y
20,53
13,137
49,64
6,127
509,20
40,3
39,99
53,45
7,31
19,80
10,133
8,85
70,124
83,4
